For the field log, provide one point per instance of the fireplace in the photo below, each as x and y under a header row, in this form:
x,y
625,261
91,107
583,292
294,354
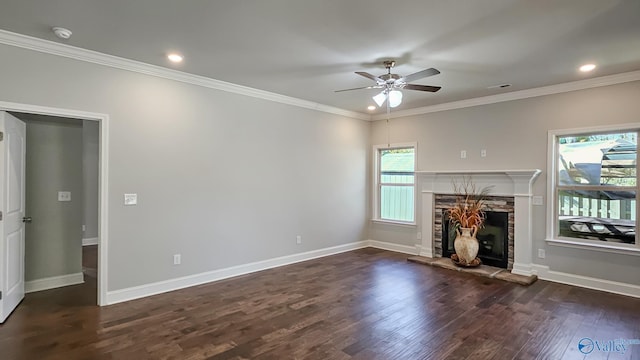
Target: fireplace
x,y
493,239
513,186
496,246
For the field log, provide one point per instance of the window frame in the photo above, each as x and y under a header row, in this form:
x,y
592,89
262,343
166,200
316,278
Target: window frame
x,y
552,228
377,185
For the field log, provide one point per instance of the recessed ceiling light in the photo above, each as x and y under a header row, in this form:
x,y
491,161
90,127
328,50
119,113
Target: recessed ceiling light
x,y
371,107
173,57
587,67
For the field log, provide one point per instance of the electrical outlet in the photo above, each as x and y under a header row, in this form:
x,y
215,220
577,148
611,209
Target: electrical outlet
x,y
64,195
463,154
84,227
483,153
177,259
537,200
299,239
541,253
419,235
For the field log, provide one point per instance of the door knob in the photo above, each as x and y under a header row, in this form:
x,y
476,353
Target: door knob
x,y
26,219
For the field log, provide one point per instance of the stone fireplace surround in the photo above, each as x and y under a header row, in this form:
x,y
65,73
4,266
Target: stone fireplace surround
x,y
507,183
503,204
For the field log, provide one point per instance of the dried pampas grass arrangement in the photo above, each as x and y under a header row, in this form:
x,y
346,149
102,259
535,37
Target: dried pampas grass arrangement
x,y
468,212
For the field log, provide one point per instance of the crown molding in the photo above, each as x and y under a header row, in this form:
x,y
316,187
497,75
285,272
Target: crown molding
x,y
518,95
72,52
76,53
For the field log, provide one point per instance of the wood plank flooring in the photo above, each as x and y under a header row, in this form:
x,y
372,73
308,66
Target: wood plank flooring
x,y
364,304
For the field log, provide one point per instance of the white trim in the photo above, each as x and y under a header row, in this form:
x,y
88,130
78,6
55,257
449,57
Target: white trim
x,y
405,249
522,269
103,185
136,292
543,272
595,129
615,287
53,282
391,222
50,47
103,212
90,241
595,245
518,95
532,173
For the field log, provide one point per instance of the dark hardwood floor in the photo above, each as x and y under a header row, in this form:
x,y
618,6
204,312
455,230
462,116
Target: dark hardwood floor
x,y
364,304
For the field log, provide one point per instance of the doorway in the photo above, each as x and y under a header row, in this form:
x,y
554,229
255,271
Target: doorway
x,y
61,202
95,255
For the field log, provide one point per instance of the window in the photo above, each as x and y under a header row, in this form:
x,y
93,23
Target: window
x,y
395,183
595,187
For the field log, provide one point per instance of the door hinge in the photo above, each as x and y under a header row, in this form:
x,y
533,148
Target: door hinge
x,y
0,295
1,135
0,215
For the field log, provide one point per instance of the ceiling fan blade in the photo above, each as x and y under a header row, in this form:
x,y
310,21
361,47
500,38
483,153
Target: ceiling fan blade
x,y
422,87
419,75
360,88
369,76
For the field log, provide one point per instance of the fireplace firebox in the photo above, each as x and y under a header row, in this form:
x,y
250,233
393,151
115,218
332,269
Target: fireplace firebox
x,y
493,238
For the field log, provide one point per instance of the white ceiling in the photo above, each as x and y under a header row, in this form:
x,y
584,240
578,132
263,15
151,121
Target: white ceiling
x,y
308,49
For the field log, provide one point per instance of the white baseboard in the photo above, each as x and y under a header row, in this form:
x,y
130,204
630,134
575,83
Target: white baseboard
x,y
90,241
406,249
141,291
53,282
543,272
615,287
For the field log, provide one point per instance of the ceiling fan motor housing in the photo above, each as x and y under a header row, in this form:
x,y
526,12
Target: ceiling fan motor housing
x,y
389,78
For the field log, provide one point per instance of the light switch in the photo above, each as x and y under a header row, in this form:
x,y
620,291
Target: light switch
x,y
130,199
64,195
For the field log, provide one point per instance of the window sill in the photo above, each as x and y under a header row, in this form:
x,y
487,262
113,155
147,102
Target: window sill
x,y
391,222
624,250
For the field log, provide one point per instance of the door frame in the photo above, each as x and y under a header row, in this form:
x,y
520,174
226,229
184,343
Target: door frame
x,y
103,178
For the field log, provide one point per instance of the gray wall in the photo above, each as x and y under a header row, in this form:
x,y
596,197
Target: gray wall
x,y
54,163
90,172
515,136
221,178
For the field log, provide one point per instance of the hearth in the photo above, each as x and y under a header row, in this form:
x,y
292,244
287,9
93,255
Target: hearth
x,y
493,239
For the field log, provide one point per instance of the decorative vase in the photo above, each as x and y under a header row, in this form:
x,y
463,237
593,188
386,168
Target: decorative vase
x,y
466,244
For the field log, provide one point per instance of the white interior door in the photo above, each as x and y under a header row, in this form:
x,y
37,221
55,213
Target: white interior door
x,y
12,185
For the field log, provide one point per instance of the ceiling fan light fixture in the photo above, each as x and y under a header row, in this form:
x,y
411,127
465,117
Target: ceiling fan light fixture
x,y
395,98
380,98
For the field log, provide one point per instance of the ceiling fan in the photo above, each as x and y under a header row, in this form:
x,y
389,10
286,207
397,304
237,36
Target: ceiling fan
x,y
391,84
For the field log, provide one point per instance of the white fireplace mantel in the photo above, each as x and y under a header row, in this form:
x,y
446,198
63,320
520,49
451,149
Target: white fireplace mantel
x,y
516,183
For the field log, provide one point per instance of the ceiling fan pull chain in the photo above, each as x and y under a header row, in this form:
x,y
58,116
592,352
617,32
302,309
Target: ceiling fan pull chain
x,y
388,129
